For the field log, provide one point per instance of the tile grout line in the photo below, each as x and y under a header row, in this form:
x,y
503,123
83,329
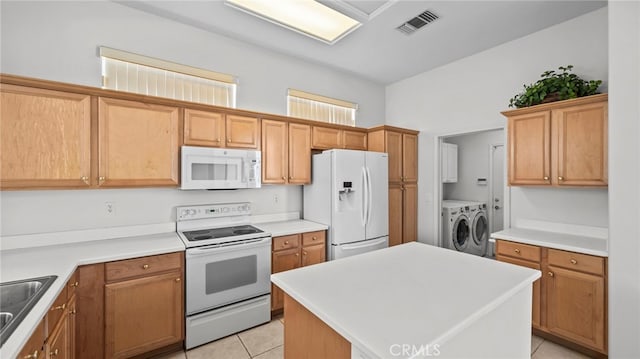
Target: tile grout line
x,y
538,347
244,346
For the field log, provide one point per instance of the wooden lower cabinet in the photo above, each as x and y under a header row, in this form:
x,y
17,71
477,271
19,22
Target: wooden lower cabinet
x,y
409,212
35,345
293,251
395,214
569,300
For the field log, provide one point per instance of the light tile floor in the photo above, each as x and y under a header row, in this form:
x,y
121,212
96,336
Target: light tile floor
x,y
266,342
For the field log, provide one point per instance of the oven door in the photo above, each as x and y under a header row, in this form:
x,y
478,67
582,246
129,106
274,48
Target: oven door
x,y
220,275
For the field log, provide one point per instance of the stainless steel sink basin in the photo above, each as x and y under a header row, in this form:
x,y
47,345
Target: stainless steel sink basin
x,y
16,300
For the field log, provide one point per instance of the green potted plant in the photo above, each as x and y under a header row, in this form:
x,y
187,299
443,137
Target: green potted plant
x,y
555,86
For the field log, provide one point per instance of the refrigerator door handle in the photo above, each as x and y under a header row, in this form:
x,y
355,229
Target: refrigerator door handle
x,y
369,243
365,198
370,194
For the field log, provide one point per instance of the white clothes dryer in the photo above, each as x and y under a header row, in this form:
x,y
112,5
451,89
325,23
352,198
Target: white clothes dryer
x,y
478,225
456,226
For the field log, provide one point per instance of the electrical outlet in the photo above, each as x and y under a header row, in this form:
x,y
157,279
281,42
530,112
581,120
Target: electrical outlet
x,y
275,198
110,207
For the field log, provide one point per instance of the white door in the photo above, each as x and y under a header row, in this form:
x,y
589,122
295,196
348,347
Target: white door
x,y
348,212
496,206
377,211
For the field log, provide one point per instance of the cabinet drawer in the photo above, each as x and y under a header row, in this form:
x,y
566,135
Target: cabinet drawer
x,y
519,250
142,266
72,284
576,261
286,242
313,238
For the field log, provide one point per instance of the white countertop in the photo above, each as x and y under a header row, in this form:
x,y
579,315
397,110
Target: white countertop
x,y
62,260
284,228
412,293
568,242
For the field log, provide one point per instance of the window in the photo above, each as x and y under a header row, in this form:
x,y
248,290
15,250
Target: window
x,y
315,107
125,71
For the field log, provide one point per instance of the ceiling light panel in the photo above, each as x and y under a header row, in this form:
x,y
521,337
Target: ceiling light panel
x,y
308,17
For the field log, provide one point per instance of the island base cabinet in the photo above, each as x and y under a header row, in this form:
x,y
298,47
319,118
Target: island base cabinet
x,y
306,336
575,306
143,314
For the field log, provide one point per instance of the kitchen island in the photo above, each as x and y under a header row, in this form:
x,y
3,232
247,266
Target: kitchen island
x,y
408,301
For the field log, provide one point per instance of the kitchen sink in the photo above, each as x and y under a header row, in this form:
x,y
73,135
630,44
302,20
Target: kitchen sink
x,y
16,300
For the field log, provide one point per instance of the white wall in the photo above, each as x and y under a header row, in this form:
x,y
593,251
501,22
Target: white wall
x,y
624,179
58,41
473,163
468,95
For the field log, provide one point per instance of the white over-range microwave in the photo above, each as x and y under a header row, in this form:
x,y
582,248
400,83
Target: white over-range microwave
x,y
219,168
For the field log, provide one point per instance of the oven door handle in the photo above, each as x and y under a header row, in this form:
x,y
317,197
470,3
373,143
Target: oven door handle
x,y
220,248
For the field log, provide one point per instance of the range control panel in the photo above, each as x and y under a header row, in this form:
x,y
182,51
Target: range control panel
x,y
213,211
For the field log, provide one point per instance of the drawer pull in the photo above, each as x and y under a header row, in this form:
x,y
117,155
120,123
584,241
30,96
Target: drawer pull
x,y
517,250
85,179
74,284
285,243
546,178
550,274
60,307
72,311
297,254
177,279
573,261
32,356
146,266
560,178
54,353
314,238
304,253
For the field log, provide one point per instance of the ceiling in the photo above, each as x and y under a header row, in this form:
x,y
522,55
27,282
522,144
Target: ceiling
x,y
377,50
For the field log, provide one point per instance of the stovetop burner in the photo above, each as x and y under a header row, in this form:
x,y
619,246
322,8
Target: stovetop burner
x,y
204,234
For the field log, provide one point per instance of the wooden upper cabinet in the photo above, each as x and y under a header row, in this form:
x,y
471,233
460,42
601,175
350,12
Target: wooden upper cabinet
x,y
561,144
324,138
242,132
45,138
529,149
394,149
202,128
299,153
274,152
409,157
582,133
138,144
354,140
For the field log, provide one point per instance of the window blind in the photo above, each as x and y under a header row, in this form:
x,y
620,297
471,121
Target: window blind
x,y
320,108
125,71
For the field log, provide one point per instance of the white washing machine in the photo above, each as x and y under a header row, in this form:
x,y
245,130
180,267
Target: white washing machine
x,y
456,226
478,225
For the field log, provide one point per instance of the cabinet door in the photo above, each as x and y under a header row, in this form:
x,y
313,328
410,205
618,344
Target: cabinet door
x,y
45,138
409,158
581,145
90,312
138,144
324,138
71,322
282,261
395,214
34,347
529,149
575,306
143,314
203,128
394,149
409,212
535,309
353,140
313,254
242,132
58,343
299,153
274,152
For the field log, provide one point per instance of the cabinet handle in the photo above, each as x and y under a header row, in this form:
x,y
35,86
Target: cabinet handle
x,y
573,261
177,279
101,180
73,311
304,253
85,179
74,284
146,266
314,238
560,178
218,140
550,274
546,178
35,355
517,250
60,307
54,353
284,178
285,243
289,177
229,140
297,254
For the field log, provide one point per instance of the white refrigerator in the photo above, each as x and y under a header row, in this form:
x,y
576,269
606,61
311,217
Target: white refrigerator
x,y
349,193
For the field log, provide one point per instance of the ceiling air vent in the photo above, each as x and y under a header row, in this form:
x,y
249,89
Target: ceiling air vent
x,y
417,22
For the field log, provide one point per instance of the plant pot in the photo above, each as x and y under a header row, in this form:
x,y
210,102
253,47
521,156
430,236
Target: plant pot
x,y
552,97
